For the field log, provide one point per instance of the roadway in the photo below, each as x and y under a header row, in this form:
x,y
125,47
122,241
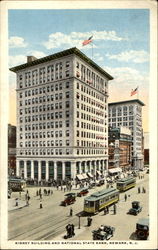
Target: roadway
x,y
48,223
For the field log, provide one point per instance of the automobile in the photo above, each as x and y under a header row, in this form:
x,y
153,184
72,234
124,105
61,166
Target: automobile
x,y
142,229
100,183
136,208
103,233
71,194
92,185
82,192
70,199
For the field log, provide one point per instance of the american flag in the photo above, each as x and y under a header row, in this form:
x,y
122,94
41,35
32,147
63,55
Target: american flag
x,y
85,42
135,91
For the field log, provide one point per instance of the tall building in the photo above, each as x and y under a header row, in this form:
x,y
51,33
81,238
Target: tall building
x,y
11,149
62,110
129,114
120,141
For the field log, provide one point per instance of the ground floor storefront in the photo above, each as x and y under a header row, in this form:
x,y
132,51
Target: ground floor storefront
x,y
47,169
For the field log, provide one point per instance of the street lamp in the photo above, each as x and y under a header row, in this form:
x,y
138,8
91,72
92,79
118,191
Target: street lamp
x,y
79,223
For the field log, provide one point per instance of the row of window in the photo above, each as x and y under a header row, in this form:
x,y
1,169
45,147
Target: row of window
x,y
90,126
43,99
119,119
44,90
85,74
61,152
48,116
92,92
120,109
90,135
43,108
48,125
90,109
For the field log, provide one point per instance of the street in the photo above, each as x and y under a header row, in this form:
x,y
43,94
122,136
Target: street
x,y
48,223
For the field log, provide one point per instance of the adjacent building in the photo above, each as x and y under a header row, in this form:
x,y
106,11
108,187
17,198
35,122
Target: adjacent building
x,y
146,148
62,117
11,149
120,143
129,114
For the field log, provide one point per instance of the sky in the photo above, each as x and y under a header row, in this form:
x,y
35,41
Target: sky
x,y
120,45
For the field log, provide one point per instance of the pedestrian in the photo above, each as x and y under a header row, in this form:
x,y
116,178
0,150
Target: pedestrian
x,y
105,211
143,190
37,193
107,208
71,211
41,204
72,230
125,197
114,208
27,191
27,202
20,195
26,196
40,196
138,190
16,202
51,192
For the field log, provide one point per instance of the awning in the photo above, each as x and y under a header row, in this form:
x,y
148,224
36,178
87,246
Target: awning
x,y
115,170
99,173
84,176
90,175
80,177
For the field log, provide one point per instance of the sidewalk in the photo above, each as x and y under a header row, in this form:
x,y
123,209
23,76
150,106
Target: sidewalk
x,y
12,204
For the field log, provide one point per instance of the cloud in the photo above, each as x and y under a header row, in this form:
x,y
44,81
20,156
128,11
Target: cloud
x,y
21,59
75,39
17,42
98,57
136,56
126,76
16,60
37,54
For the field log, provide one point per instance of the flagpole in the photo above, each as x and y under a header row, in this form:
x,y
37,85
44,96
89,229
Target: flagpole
x,y
138,93
92,50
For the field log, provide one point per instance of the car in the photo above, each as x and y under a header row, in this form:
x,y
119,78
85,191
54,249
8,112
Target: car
x,y
70,199
82,192
136,208
100,183
142,229
103,233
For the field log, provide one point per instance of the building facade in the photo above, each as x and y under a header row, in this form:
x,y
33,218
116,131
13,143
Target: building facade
x,y
129,114
62,110
11,149
120,143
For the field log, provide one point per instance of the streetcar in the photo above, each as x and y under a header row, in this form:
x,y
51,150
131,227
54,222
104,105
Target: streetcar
x,y
99,200
16,184
125,183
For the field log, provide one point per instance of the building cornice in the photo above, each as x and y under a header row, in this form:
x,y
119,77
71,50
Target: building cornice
x,y
127,102
61,54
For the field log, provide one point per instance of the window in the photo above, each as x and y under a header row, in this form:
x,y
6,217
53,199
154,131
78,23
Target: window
x,y
67,73
67,123
67,113
67,95
67,132
67,142
67,84
67,64
67,104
